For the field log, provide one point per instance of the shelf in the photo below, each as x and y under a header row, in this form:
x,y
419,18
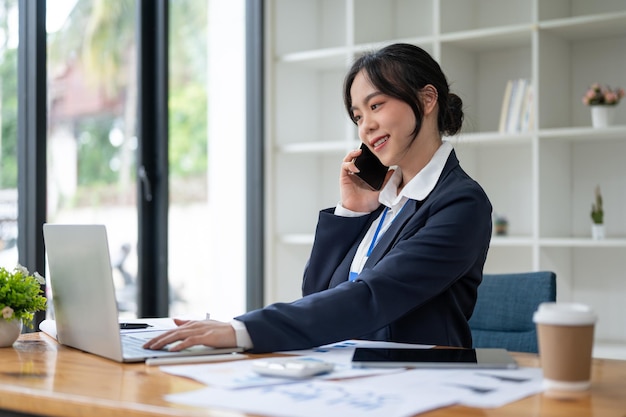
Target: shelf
x,y
504,241
317,59
318,147
566,134
490,38
584,133
425,42
571,134
500,241
297,239
587,27
491,138
583,242
542,179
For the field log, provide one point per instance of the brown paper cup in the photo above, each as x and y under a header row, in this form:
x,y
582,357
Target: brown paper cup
x,y
565,336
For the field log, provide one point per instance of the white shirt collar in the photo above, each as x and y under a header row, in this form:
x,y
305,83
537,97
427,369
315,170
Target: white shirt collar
x,y
421,185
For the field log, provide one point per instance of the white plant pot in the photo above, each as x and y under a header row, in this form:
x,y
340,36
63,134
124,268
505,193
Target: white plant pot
x,y
602,116
597,231
9,331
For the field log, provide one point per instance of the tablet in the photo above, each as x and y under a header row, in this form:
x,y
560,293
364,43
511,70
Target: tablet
x,y
481,358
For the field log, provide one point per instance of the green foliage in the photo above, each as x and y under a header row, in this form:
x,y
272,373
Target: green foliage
x,y
188,42
20,294
95,152
109,25
188,91
188,130
597,212
8,95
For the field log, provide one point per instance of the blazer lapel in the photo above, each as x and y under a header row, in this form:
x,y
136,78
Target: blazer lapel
x,y
343,270
391,235
412,206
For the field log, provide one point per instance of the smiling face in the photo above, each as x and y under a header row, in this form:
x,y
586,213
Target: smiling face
x,y
385,124
401,102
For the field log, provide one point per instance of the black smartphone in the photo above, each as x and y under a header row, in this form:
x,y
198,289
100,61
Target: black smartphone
x,y
372,171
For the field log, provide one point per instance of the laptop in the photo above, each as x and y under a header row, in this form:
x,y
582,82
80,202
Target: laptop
x,y
83,295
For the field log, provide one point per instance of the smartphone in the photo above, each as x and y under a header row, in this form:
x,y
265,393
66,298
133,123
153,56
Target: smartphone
x,y
481,358
372,171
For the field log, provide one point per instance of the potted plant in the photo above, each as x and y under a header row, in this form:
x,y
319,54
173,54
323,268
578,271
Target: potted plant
x,y
602,100
597,216
20,297
501,224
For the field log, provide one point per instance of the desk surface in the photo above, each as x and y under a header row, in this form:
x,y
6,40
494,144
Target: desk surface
x,y
38,376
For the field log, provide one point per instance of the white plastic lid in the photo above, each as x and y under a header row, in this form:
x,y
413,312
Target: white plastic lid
x,y
567,314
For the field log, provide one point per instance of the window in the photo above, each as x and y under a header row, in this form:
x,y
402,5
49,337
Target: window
x,y
207,157
92,102
92,143
88,128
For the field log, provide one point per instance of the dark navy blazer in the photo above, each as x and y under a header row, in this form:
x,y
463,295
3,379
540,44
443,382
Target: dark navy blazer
x,y
418,286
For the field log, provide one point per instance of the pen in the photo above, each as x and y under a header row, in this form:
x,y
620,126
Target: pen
x,y
127,326
195,359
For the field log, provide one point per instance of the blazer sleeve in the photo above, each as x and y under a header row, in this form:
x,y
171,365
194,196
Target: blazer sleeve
x,y
335,237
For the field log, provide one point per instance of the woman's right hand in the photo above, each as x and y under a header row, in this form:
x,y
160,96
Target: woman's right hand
x,y
195,332
355,194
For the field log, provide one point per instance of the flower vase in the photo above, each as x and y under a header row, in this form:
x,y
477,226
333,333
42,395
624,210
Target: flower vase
x,y
602,116
597,231
9,331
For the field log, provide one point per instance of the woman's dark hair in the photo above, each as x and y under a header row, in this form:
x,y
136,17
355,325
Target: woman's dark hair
x,y
401,71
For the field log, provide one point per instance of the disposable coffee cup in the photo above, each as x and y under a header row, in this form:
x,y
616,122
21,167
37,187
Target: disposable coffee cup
x,y
565,336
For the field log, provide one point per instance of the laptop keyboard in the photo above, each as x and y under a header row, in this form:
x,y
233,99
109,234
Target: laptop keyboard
x,y
132,347
132,343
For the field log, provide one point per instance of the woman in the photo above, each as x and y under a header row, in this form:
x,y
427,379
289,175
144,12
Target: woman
x,y
402,264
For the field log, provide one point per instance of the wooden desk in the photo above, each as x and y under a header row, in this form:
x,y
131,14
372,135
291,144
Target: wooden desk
x,y
40,377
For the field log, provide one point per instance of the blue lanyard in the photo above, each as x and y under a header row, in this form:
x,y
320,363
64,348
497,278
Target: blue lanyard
x,y
353,275
375,238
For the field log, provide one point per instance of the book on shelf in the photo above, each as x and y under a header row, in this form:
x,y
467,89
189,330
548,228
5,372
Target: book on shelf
x,y
516,113
505,106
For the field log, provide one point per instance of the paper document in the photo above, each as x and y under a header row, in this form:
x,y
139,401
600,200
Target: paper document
x,y
485,388
318,398
394,392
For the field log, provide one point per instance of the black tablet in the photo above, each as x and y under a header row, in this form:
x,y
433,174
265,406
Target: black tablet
x,y
433,358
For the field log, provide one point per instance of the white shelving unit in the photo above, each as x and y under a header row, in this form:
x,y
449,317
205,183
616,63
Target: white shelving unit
x,y
542,180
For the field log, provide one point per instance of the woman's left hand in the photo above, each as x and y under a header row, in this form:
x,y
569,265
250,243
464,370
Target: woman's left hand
x,y
191,333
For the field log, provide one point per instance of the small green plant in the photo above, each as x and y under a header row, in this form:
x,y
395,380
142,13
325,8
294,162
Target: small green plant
x,y
21,295
597,212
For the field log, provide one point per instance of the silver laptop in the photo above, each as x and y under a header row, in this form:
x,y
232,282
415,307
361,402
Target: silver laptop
x,y
83,296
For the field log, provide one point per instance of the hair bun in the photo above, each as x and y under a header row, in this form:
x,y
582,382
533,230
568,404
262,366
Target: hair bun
x,y
452,116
